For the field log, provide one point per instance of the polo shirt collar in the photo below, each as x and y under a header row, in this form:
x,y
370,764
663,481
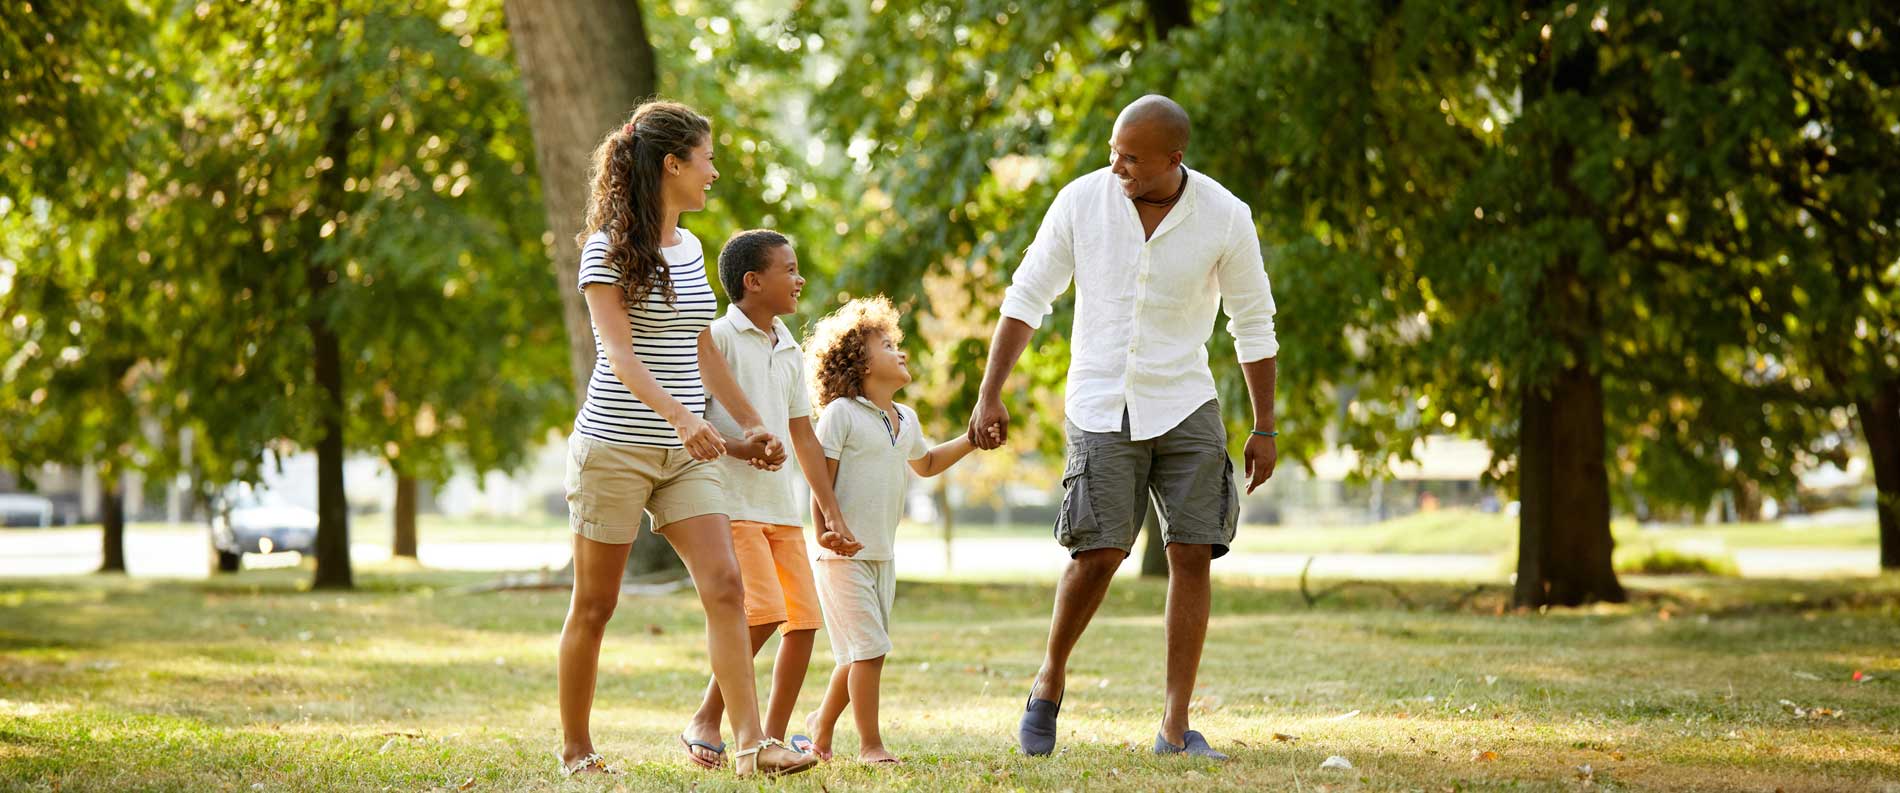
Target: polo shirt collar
x,y
743,324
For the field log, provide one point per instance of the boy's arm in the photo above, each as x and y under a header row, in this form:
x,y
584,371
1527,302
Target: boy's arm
x,y
818,472
723,388
944,455
846,543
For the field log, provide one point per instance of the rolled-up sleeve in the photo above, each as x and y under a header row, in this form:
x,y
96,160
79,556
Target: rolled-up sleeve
x,y
1246,296
1047,267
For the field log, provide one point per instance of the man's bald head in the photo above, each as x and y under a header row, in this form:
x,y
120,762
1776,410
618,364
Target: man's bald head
x,y
1158,116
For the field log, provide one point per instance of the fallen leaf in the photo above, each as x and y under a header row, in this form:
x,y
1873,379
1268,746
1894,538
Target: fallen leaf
x,y
1617,756
1586,774
1486,756
653,629
466,784
401,734
1338,762
1285,738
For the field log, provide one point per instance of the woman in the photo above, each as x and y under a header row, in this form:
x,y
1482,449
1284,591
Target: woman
x,y
640,442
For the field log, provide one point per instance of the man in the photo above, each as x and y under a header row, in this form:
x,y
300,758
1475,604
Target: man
x,y
1152,247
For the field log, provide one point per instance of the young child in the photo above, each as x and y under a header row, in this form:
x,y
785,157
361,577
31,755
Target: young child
x,y
759,270
868,439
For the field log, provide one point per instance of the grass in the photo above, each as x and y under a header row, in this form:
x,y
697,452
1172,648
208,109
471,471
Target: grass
x,y
1466,531
250,683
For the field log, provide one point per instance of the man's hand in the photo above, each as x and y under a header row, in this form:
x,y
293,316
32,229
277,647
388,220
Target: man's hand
x,y
1261,454
989,424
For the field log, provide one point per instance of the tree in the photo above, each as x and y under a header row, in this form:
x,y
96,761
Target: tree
x,y
74,386
350,273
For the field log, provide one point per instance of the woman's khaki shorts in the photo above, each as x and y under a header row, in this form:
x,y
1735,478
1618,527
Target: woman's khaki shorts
x,y
610,484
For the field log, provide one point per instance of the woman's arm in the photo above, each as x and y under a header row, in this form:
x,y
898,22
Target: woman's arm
x,y
616,341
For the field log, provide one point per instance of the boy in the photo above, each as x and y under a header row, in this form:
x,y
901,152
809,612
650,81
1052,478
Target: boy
x,y
759,271
868,440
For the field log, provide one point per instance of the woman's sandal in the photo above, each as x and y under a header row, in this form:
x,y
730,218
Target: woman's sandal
x,y
805,762
592,761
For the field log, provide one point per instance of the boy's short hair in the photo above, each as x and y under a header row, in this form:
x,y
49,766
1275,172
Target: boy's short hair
x,y
746,253
837,346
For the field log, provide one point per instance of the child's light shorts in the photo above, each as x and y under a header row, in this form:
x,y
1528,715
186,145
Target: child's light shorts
x,y
857,596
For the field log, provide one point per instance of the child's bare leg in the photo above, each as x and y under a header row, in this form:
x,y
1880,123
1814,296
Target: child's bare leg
x,y
788,676
823,722
864,679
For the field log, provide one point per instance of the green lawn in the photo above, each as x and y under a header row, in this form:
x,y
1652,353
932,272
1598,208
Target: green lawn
x,y
247,683
1465,531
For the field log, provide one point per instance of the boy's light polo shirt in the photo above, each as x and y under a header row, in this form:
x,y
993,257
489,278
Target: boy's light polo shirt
x,y
873,469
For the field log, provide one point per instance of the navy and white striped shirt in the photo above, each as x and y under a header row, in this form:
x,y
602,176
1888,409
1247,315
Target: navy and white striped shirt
x,y
666,340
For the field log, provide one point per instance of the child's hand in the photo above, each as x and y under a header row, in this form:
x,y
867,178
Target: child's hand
x,y
771,452
840,544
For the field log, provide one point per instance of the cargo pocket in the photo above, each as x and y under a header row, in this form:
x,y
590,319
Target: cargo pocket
x,y
1230,510
1076,512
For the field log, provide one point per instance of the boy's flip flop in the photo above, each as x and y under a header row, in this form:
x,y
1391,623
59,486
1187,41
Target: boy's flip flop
x,y
717,749
804,744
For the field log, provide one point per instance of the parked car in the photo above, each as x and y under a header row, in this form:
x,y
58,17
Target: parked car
x,y
248,519
25,509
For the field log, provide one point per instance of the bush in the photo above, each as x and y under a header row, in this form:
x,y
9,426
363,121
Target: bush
x,y
1664,560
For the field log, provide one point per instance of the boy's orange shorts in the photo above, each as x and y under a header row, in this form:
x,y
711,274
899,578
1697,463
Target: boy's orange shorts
x,y
777,574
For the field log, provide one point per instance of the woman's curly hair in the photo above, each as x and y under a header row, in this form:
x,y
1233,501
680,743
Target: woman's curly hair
x,y
838,348
625,201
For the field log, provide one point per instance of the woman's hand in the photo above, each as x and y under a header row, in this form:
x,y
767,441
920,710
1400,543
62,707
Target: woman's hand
x,y
701,440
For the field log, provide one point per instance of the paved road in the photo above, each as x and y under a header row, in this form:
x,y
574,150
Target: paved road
x,y
182,552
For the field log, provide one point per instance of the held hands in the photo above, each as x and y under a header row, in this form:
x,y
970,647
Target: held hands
x,y
1261,454
835,537
989,424
760,449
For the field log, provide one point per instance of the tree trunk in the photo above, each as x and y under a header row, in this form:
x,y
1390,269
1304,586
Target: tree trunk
x,y
1564,542
333,513
112,524
1154,553
1168,15
405,542
1880,422
586,65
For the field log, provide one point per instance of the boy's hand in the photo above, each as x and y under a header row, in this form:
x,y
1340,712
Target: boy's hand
x,y
839,544
753,452
771,452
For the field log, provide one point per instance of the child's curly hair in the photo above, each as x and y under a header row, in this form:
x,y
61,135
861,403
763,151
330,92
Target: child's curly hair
x,y
837,346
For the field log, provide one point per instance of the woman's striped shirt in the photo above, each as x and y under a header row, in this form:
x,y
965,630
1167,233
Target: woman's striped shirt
x,y
665,338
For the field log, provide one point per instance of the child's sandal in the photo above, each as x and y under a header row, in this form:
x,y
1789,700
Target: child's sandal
x,y
799,762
